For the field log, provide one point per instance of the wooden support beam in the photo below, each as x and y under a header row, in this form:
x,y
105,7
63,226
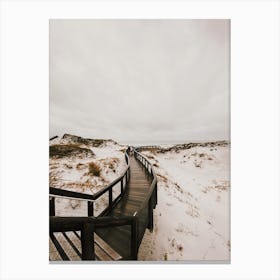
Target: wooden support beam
x,y
134,240
150,214
90,209
110,199
121,186
87,240
52,206
156,194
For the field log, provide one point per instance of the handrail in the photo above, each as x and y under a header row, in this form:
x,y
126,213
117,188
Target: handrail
x,y
87,226
55,192
148,196
153,187
90,197
99,193
58,224
54,137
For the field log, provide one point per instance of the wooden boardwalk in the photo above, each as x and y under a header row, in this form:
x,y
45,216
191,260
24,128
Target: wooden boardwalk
x,y
117,233
119,237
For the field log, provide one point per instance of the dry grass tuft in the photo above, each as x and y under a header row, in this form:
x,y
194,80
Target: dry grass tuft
x,y
80,166
69,166
60,151
110,163
94,169
162,178
153,151
150,156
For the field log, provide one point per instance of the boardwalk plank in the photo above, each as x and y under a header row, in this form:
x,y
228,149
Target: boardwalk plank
x,y
119,238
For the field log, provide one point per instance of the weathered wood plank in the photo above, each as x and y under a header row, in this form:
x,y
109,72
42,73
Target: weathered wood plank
x,y
100,254
106,248
59,248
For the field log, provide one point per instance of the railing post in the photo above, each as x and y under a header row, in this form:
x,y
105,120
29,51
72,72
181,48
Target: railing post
x,y
90,209
134,239
156,197
87,240
52,206
150,214
110,199
121,185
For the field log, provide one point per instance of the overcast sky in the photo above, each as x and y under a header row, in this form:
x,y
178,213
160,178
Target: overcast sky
x,y
140,81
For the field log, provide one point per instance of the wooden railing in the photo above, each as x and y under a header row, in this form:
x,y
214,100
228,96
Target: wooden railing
x,y
123,179
87,226
151,198
54,137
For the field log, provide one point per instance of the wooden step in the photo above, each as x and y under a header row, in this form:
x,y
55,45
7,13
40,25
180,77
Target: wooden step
x,y
67,246
106,248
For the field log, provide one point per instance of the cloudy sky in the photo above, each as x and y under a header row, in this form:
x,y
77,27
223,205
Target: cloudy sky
x,y
140,81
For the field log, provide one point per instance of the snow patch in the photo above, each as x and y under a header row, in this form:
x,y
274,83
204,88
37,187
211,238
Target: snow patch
x,y
191,220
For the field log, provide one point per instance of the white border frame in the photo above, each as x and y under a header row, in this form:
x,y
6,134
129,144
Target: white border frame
x,y
254,136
